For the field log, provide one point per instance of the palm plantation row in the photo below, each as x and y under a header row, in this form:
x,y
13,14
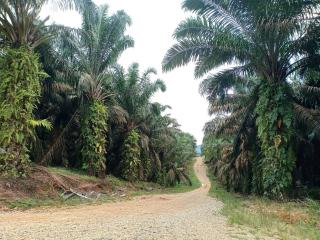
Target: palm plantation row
x,y
65,101
265,96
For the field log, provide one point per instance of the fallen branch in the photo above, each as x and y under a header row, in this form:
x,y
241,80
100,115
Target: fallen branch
x,y
71,192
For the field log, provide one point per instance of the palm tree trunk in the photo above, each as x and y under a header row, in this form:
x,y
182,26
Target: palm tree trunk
x,y
19,93
93,134
130,157
275,131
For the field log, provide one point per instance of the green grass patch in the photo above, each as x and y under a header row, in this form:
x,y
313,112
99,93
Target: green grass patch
x,y
72,172
284,220
29,203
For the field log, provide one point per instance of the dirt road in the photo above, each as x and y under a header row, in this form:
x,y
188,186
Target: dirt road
x,y
184,216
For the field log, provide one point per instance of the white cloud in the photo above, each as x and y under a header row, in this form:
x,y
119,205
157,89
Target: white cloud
x,y
154,22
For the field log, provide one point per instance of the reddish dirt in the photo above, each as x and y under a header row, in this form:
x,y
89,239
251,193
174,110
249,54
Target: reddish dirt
x,y
42,184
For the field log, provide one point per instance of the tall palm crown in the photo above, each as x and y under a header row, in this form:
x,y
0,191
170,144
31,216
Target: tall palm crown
x,y
94,48
20,23
133,93
102,40
20,20
263,36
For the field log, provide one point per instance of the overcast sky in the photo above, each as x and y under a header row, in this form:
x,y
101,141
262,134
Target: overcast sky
x,y
153,23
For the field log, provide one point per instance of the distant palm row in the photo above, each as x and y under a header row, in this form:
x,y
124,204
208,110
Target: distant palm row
x,y
65,101
265,99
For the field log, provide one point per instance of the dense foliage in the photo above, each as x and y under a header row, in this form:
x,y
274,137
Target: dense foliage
x,y
98,117
93,135
261,113
178,153
130,157
19,93
275,123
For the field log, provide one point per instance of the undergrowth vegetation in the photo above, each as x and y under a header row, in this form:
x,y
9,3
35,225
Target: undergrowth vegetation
x,y
19,95
264,217
93,132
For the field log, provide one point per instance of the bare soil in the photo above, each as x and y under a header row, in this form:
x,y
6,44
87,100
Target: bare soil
x,y
192,215
43,184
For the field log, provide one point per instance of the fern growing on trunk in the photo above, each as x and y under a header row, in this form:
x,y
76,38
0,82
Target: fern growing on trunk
x,y
275,131
130,157
19,93
93,134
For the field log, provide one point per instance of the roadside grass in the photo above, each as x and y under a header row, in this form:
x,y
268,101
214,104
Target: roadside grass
x,y
72,173
29,203
121,191
278,220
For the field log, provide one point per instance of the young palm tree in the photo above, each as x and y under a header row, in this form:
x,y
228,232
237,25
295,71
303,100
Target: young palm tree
x,y
266,40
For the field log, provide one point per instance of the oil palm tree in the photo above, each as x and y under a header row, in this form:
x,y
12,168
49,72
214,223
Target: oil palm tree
x,y
133,94
179,152
21,30
158,151
20,21
150,146
306,106
233,98
91,51
266,40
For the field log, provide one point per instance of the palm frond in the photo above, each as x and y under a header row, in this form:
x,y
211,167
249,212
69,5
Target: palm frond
x,y
58,141
308,117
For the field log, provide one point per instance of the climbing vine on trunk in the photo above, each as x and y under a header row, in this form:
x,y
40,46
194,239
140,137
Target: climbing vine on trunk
x,y
145,167
19,93
130,157
93,134
275,123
